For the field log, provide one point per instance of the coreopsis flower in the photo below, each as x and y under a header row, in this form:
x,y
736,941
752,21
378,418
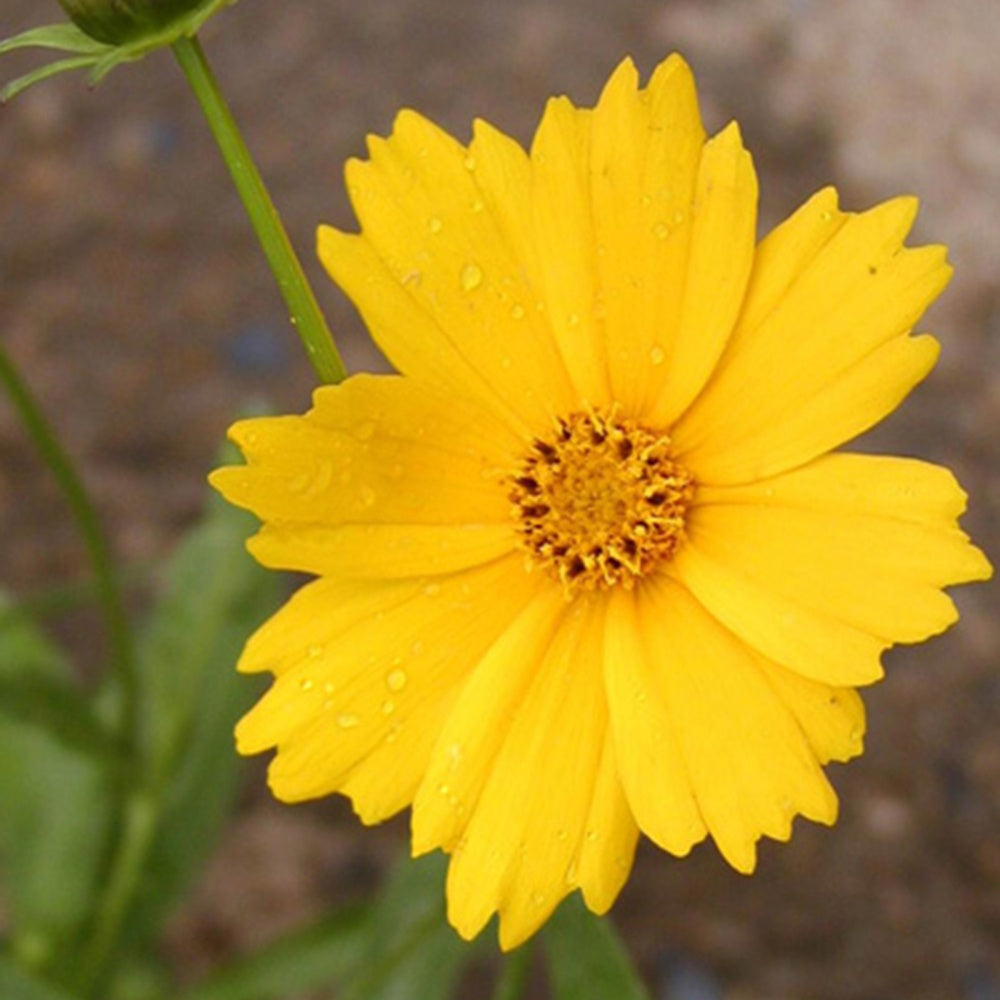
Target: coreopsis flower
x,y
588,566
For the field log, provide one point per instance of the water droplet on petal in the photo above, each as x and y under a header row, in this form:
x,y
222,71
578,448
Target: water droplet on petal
x,y
517,311
367,496
505,362
307,684
443,789
470,163
574,319
537,898
347,721
432,589
456,754
396,680
365,431
388,706
657,355
826,216
315,651
417,648
472,277
328,687
661,230
678,217
478,206
435,225
591,835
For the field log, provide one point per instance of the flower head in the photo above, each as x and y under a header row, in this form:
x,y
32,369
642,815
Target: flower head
x,y
587,566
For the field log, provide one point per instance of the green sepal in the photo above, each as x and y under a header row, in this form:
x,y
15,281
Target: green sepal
x,y
100,56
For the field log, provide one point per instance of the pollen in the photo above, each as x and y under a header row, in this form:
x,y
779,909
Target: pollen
x,y
600,502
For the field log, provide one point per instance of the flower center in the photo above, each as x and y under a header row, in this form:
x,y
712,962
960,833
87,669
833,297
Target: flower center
x,y
601,502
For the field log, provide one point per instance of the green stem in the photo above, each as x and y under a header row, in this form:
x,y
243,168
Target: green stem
x,y
109,595
305,313
513,978
131,853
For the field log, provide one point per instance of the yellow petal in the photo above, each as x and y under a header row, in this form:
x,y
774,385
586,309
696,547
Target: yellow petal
x,y
567,257
357,705
816,539
832,718
470,740
381,551
437,280
382,477
610,836
644,158
650,760
750,765
814,644
724,217
820,352
518,850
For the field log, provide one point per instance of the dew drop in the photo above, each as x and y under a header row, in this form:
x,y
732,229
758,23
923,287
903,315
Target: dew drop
x,y
477,206
417,648
307,684
505,362
574,319
562,835
571,874
367,496
443,789
396,680
328,687
388,706
678,217
456,754
365,431
470,163
393,734
537,898
591,835
517,311
657,355
661,230
472,277
432,589
826,216
347,721
315,651
435,225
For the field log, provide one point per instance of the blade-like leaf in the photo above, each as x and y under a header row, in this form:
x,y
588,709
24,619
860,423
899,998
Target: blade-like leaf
x,y
55,815
55,706
16,984
587,960
22,83
214,596
413,954
323,954
64,37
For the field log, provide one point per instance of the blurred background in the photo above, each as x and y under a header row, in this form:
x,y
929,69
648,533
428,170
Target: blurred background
x,y
138,304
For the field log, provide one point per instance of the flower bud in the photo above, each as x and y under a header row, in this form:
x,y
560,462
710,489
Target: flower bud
x,y
116,22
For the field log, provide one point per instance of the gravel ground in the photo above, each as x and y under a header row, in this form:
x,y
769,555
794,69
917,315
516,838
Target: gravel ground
x,y
134,298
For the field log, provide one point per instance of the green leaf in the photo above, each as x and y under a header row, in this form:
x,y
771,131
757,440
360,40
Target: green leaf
x,y
55,706
214,596
55,819
322,954
22,83
587,960
513,978
412,952
64,37
17,984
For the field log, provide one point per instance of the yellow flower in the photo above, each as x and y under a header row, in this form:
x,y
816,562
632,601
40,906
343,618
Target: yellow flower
x,y
587,566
